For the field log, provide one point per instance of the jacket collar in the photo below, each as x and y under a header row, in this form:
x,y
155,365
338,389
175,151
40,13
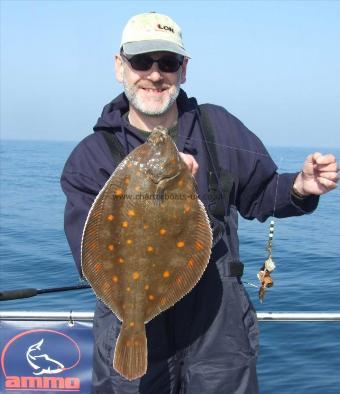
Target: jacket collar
x,y
112,118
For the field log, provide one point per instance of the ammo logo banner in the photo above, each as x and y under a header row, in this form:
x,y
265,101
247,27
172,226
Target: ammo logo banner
x,y
46,360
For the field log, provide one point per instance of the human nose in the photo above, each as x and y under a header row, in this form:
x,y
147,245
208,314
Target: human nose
x,y
154,73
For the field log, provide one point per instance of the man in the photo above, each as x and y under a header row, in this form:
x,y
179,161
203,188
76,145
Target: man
x,y
206,343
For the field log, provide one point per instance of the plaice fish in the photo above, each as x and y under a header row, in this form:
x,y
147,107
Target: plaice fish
x,y
146,243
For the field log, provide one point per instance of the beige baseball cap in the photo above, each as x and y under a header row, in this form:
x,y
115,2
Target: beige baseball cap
x,y
152,32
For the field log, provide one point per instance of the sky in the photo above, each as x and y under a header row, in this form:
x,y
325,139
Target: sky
x,y
273,64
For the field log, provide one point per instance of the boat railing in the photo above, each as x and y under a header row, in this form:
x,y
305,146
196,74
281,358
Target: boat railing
x,y
88,316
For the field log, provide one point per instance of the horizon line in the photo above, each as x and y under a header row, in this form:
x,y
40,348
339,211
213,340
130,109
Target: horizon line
x,y
77,141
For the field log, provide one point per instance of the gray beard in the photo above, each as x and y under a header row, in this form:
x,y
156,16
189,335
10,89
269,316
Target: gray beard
x,y
131,95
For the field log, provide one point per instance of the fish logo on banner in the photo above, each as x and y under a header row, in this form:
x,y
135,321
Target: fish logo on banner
x,y
41,360
35,360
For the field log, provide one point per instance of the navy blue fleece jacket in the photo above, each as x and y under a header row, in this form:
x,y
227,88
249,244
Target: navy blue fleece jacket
x,y
254,181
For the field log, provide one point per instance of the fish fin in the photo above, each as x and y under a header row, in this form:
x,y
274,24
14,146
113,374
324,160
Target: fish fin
x,y
130,358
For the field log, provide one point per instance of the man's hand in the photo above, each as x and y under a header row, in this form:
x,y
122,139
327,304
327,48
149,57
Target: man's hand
x,y
319,175
190,161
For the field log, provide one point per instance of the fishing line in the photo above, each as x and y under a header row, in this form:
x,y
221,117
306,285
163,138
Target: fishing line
x,y
226,146
251,284
269,265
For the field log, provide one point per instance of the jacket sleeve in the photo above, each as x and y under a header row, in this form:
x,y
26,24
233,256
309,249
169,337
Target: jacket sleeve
x,y
80,191
267,193
260,190
84,174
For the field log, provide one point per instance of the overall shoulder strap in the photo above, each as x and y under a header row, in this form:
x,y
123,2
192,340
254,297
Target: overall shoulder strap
x,y
116,148
214,172
209,137
220,198
218,176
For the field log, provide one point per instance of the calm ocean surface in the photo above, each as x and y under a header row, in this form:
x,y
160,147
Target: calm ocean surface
x,y
294,357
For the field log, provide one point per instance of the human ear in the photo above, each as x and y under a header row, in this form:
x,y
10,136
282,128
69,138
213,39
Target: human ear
x,y
119,68
184,70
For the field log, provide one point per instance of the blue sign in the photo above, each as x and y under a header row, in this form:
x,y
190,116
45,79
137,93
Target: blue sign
x,y
50,357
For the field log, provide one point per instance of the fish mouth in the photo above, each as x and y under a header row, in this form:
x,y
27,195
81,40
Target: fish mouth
x,y
157,137
158,134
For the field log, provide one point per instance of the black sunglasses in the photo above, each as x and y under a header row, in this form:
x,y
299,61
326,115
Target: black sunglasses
x,y
166,63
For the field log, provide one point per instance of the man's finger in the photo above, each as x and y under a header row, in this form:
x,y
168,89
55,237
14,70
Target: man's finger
x,y
314,156
332,167
326,183
190,161
331,176
324,159
194,167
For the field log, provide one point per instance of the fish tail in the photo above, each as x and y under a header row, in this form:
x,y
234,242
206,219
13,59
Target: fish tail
x,y
130,358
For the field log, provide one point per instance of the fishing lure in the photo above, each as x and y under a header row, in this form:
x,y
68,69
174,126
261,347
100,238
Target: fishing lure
x,y
268,266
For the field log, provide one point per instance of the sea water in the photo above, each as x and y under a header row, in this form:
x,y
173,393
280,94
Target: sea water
x,y
294,357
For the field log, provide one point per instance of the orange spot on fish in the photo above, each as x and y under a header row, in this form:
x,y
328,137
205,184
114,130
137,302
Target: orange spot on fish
x,y
129,242
150,249
146,226
128,289
115,279
119,192
120,260
125,224
146,287
151,297
132,324
162,231
111,248
98,266
127,180
135,275
180,183
166,274
186,208
190,263
110,218
199,245
131,212
137,189
180,244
